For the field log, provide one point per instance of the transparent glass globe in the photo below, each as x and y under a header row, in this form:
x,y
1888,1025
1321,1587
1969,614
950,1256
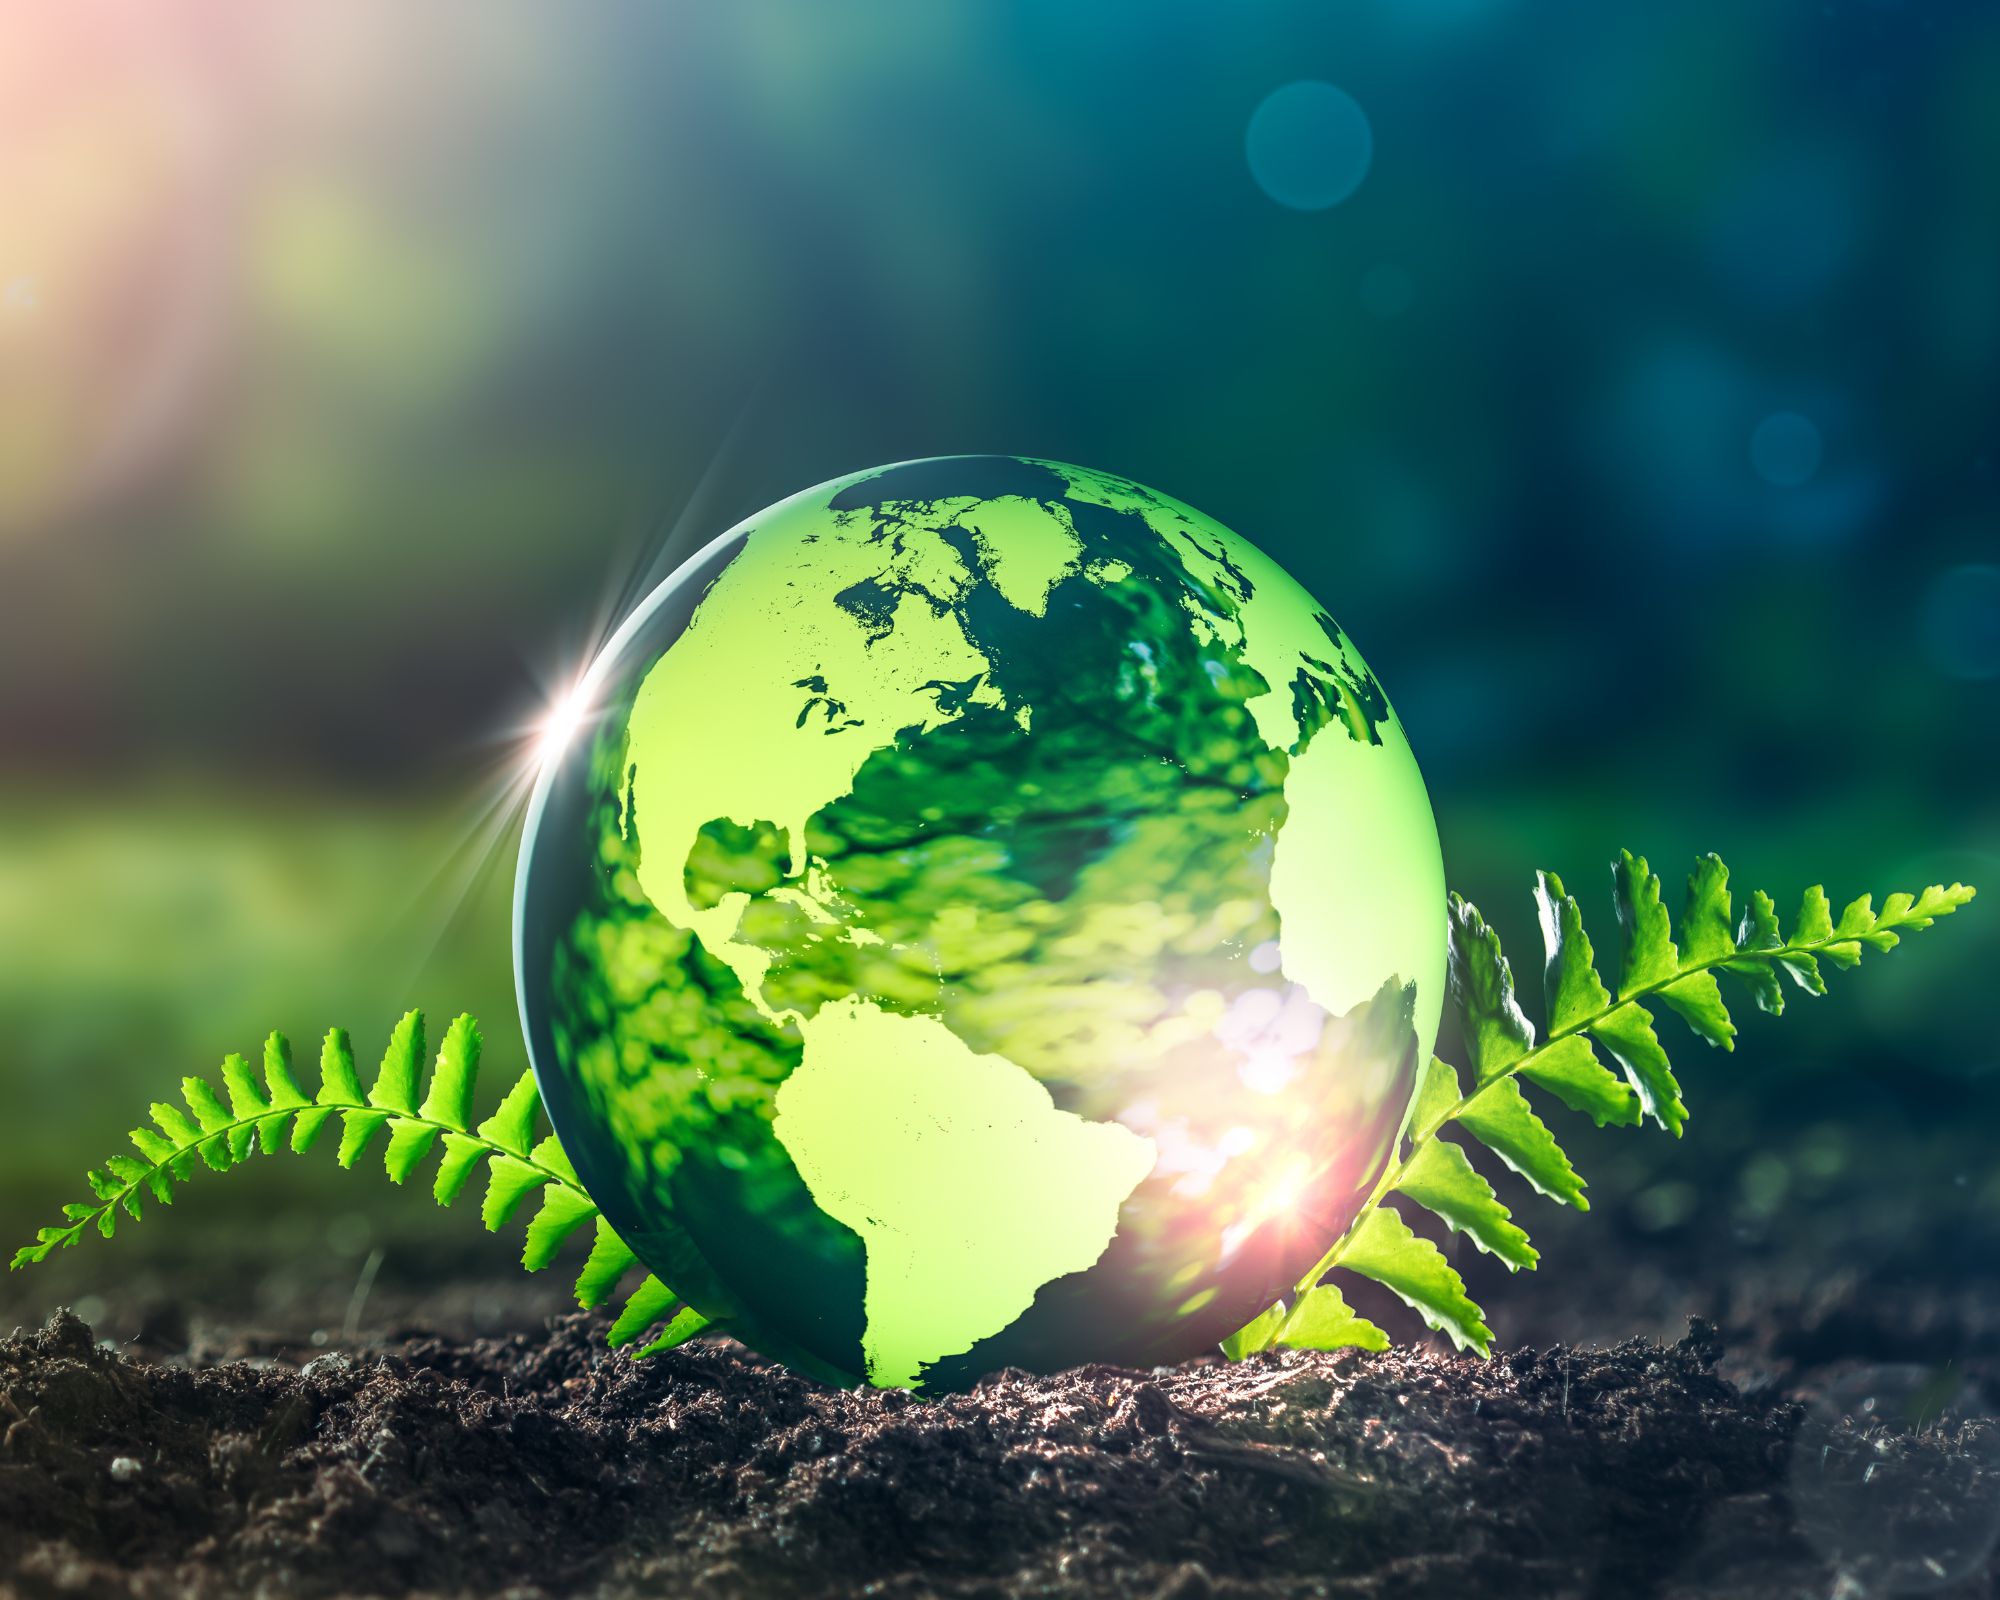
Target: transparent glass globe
x,y
982,912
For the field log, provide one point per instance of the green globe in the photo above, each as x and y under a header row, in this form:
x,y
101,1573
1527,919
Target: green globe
x,y
986,914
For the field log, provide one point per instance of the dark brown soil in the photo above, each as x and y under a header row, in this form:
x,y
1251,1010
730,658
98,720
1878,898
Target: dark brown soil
x,y
540,1465
287,1400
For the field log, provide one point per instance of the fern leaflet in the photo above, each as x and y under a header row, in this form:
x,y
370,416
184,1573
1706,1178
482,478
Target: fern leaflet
x,y
253,1111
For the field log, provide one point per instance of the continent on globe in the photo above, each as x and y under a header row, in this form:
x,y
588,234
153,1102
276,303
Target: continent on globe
x,y
992,916
969,1189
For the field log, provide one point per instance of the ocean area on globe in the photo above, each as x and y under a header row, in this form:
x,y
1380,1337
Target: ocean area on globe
x,y
989,915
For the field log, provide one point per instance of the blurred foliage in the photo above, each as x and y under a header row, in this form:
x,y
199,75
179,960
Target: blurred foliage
x,y
357,361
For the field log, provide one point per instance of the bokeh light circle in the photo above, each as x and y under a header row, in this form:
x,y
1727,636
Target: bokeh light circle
x,y
1961,622
1785,449
1309,145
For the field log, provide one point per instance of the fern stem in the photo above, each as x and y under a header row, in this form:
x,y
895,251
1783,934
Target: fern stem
x,y
1397,1170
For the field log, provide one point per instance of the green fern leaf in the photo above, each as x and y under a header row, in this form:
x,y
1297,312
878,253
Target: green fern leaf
x,y
563,1210
509,1181
449,1100
1256,1334
1815,920
246,1097
1697,1001
338,1084
1500,1118
1481,988
650,1302
395,1087
246,1103
1570,982
1816,927
512,1127
610,1259
645,1306
307,1126
1323,1320
1759,929
281,1094
409,1142
202,1100
1436,1097
1415,1271
1569,1069
1858,927
1650,958
358,1127
1761,979
1628,1034
1858,920
687,1322
549,1153
462,1153
281,1089
1707,933
47,1241
1803,970
181,1133
1441,1179
1931,905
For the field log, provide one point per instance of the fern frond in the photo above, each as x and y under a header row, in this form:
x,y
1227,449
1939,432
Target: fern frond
x,y
1587,1022
222,1129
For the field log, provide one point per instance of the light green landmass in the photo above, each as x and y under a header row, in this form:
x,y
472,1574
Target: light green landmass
x,y
968,1187
1357,879
1028,548
770,703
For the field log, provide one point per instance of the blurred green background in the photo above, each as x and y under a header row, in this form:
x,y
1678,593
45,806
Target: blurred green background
x,y
1635,413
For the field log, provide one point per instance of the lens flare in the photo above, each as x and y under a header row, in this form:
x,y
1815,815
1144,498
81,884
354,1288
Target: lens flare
x,y
559,725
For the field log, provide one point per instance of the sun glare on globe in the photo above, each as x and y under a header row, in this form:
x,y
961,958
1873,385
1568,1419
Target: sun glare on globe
x,y
559,724
984,912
